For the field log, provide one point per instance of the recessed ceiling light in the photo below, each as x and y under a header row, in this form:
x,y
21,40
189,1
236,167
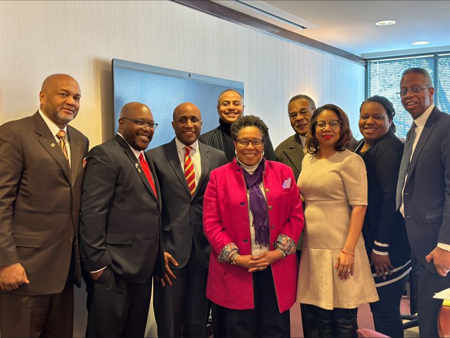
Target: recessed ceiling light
x,y
420,43
385,23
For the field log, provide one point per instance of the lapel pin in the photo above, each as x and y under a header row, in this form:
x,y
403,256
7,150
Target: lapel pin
x,y
137,167
52,144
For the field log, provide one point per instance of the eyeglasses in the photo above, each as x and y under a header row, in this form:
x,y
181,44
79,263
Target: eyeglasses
x,y
303,113
142,124
244,142
333,124
413,90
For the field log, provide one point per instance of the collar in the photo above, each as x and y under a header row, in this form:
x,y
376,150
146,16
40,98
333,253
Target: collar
x,y
249,168
226,127
181,146
54,129
136,153
422,119
300,139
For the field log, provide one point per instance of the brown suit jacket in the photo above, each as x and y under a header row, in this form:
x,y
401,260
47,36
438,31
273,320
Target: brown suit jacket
x,y
40,204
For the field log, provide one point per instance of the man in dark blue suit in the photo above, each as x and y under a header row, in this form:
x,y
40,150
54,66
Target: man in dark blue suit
x,y
423,193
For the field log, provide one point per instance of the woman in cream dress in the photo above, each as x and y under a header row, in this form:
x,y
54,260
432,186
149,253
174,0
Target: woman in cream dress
x,y
335,276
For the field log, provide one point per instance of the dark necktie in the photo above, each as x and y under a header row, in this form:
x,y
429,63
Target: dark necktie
x,y
61,135
189,170
148,174
406,158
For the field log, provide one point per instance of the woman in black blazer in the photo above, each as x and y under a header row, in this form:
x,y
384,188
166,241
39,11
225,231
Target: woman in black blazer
x,y
384,228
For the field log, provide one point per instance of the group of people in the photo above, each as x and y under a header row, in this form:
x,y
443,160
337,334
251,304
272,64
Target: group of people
x,y
217,218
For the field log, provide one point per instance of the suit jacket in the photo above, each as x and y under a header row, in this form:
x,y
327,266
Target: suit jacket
x,y
182,213
427,188
214,139
40,203
226,220
120,215
291,153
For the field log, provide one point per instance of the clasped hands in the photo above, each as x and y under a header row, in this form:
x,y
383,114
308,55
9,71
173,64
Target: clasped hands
x,y
258,262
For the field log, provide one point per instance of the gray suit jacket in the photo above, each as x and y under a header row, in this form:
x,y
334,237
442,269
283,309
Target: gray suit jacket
x,y
40,203
290,152
182,214
427,188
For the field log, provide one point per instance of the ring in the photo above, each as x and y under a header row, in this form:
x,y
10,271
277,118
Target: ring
x,y
261,268
348,271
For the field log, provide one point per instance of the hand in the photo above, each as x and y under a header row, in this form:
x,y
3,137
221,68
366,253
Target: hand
x,y
168,258
96,275
441,260
344,265
262,261
12,276
382,265
244,262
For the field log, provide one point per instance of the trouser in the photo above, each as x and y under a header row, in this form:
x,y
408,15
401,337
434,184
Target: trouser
x,y
386,312
264,320
117,308
336,323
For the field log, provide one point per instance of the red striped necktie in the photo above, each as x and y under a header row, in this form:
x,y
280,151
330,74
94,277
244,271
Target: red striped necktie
x,y
148,174
189,170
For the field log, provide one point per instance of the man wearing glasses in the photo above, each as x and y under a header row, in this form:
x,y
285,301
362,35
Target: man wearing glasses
x,y
120,228
423,193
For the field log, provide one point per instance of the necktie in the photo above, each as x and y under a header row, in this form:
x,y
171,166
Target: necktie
x,y
189,170
148,174
406,158
62,144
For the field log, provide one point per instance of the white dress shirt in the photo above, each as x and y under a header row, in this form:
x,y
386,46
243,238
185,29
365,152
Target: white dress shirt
x,y
195,157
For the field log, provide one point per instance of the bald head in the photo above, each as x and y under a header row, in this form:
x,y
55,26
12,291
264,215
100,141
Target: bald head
x,y
187,123
60,98
136,125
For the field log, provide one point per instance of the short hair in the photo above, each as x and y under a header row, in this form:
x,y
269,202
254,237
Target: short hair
x,y
229,90
387,105
418,70
249,121
304,97
312,145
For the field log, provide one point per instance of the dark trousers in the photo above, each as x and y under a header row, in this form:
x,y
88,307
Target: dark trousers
x,y
37,316
182,309
264,320
117,308
428,308
386,312
336,323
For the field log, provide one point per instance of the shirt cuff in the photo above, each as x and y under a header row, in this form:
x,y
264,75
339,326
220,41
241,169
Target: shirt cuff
x,y
443,246
227,253
98,270
285,244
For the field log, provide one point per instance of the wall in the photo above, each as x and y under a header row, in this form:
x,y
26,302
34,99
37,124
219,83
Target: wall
x,y
38,38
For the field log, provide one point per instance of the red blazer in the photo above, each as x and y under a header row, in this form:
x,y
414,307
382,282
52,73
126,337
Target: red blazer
x,y
226,220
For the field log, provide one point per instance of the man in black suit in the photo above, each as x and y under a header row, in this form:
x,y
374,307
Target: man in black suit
x,y
183,166
120,227
230,106
423,193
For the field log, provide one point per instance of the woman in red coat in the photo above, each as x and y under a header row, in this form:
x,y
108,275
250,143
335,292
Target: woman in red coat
x,y
252,217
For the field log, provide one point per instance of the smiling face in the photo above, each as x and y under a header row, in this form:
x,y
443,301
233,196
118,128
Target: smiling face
x,y
249,155
230,107
328,136
373,121
416,103
187,123
138,137
299,115
60,99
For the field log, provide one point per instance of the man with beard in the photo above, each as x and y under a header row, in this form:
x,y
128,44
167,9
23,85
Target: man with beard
x,y
120,227
41,173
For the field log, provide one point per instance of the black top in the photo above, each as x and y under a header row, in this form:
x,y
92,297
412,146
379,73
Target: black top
x,y
228,144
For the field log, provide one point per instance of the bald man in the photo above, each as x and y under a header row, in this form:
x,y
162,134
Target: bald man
x,y
183,166
41,173
120,227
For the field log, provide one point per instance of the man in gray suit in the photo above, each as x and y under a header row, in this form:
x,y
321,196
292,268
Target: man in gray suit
x,y
183,166
41,173
423,193
291,150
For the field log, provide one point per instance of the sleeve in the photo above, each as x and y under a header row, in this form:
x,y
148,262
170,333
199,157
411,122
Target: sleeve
x,y
354,176
98,190
444,231
269,153
386,167
11,169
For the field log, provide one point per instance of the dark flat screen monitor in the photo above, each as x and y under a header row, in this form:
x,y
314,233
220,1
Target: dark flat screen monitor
x,y
163,89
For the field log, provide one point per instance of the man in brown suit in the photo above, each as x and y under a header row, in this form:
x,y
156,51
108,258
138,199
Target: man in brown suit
x,y
40,186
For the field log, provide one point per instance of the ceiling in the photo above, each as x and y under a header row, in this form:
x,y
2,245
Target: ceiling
x,y
350,25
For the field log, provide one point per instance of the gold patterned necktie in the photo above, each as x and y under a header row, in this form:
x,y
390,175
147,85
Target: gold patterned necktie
x,y
189,171
62,144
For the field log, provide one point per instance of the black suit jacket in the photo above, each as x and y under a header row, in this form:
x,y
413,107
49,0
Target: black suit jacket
x,y
120,215
291,153
182,214
427,188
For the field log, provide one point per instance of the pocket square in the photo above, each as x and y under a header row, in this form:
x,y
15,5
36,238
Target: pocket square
x,y
287,183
